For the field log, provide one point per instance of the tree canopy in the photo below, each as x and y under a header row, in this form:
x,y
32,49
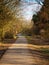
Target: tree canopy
x,y
41,19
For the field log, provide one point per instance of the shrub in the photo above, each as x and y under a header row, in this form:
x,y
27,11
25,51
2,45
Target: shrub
x,y
8,35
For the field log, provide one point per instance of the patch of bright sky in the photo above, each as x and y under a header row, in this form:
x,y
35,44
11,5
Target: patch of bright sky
x,y
31,8
25,9
33,1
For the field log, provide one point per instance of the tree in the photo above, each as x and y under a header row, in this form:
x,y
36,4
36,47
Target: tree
x,y
41,20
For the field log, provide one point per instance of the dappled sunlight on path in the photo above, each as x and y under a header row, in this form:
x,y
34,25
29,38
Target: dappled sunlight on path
x,y
22,53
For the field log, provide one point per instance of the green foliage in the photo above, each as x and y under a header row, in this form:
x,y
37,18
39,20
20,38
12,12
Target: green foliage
x,y
35,18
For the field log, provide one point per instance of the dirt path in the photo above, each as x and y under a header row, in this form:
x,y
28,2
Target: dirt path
x,y
22,55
